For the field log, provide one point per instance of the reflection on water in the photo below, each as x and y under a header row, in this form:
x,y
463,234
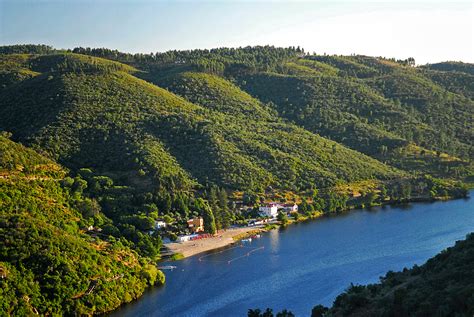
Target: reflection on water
x,y
307,263
274,237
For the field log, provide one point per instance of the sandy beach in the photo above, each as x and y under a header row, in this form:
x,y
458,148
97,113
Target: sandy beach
x,y
223,238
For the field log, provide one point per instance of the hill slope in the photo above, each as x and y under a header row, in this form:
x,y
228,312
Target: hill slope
x,y
338,85
114,122
48,265
168,136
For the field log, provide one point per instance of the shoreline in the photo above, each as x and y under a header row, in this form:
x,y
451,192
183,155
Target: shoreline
x,y
262,229
222,239
233,235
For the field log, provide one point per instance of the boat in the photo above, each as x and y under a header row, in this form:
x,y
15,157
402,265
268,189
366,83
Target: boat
x,y
167,267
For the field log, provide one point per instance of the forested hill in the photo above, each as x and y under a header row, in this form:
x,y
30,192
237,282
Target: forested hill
x,y
48,264
159,130
119,141
368,103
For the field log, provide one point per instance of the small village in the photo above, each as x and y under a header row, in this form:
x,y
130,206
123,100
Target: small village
x,y
267,215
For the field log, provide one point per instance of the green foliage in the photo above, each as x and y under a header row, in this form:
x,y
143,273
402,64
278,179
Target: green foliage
x,y
443,286
269,313
252,120
176,257
100,115
153,275
234,60
207,215
282,218
27,49
452,67
455,82
49,266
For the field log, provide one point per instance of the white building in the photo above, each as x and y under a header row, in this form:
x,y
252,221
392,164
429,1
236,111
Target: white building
x,y
159,224
269,210
290,207
185,238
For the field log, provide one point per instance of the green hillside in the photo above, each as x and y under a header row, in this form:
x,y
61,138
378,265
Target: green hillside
x,y
144,152
452,67
116,124
366,96
48,265
344,111
449,115
214,92
14,68
174,135
169,126
257,131
455,82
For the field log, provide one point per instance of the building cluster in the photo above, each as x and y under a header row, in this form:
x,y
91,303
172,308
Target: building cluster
x,y
271,209
196,225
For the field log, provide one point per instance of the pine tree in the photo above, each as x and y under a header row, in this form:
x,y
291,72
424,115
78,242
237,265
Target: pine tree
x,y
224,208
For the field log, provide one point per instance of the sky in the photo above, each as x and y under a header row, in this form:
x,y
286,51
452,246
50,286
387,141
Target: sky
x,y
429,31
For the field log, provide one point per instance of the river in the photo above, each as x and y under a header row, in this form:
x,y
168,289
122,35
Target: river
x,y
307,263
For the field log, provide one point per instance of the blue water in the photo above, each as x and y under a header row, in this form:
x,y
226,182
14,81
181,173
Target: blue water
x,y
308,263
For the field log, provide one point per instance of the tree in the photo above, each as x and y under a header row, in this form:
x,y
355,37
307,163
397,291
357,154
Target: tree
x,y
305,208
79,185
258,313
164,203
370,198
285,313
223,199
213,204
296,215
224,208
405,191
250,199
207,215
319,311
180,205
282,218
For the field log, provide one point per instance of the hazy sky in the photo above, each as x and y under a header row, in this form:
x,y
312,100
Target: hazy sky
x,y
430,31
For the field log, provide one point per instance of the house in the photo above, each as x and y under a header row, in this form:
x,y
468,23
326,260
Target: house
x,y
290,208
160,224
196,224
185,238
269,210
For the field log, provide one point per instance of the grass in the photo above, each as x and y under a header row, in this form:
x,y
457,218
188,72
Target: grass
x,y
176,257
248,234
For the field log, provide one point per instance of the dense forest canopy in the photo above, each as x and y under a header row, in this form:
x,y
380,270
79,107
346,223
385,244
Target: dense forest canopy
x,y
119,141
48,264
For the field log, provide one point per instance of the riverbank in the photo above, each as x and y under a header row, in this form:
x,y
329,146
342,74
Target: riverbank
x,y
230,236
319,258
222,239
